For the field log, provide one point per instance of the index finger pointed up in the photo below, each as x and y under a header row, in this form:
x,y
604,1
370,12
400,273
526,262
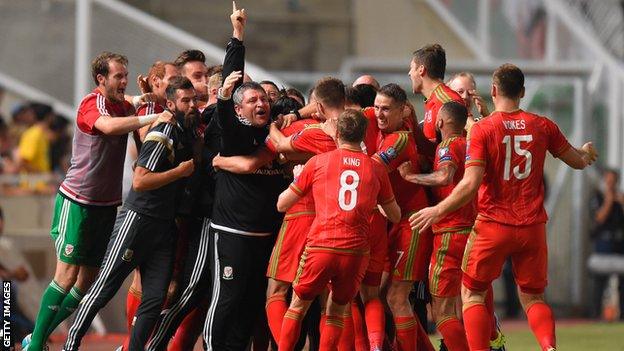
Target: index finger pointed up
x,y
234,6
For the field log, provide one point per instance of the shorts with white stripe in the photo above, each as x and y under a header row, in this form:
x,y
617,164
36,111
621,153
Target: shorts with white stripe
x,y
239,288
81,232
195,286
137,240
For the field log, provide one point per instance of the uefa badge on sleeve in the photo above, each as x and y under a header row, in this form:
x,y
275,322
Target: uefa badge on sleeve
x,y
228,273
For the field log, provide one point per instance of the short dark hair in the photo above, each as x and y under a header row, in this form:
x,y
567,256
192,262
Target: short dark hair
x,y
295,92
433,57
237,97
42,111
177,82
330,91
367,94
100,63
270,83
393,91
283,105
189,56
458,112
351,126
509,80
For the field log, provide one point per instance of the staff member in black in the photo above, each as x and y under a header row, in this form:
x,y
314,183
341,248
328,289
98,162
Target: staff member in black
x,y
143,233
244,218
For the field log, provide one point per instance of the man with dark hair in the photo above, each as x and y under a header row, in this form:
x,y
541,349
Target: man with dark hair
x,y
271,89
408,250
192,65
346,185
244,218
607,235
87,201
507,150
143,233
451,234
427,76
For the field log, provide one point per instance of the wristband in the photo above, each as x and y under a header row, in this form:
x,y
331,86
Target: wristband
x,y
148,119
297,114
220,95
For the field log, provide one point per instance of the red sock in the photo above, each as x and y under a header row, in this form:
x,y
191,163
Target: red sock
x,y
291,327
489,304
276,308
347,337
133,300
423,343
477,322
542,323
454,334
330,337
359,329
375,322
406,333
189,330
322,322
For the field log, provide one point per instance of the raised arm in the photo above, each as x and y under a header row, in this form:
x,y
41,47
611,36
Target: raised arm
x,y
235,51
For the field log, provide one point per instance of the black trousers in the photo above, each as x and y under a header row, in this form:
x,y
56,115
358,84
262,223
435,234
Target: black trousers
x,y
238,290
195,286
137,240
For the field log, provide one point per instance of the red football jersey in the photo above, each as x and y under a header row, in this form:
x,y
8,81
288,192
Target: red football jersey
x,y
440,95
294,128
393,149
346,185
372,132
312,139
95,105
453,150
512,148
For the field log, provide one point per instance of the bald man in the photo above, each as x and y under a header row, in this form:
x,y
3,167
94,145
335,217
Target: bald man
x,y
367,79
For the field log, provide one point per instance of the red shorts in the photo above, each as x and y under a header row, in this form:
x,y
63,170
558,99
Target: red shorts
x,y
490,244
445,273
319,266
288,248
378,240
409,252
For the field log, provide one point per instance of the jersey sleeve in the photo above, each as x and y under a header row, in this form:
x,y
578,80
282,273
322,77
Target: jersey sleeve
x,y
393,151
476,150
312,140
557,142
449,154
303,184
386,195
90,110
157,148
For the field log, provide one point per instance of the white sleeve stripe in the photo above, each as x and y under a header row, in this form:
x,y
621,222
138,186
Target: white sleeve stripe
x,y
101,105
158,150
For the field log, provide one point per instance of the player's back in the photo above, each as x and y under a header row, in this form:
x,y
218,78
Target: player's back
x,y
346,186
512,146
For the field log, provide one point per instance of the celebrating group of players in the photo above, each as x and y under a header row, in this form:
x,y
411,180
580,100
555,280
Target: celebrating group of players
x,y
201,227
